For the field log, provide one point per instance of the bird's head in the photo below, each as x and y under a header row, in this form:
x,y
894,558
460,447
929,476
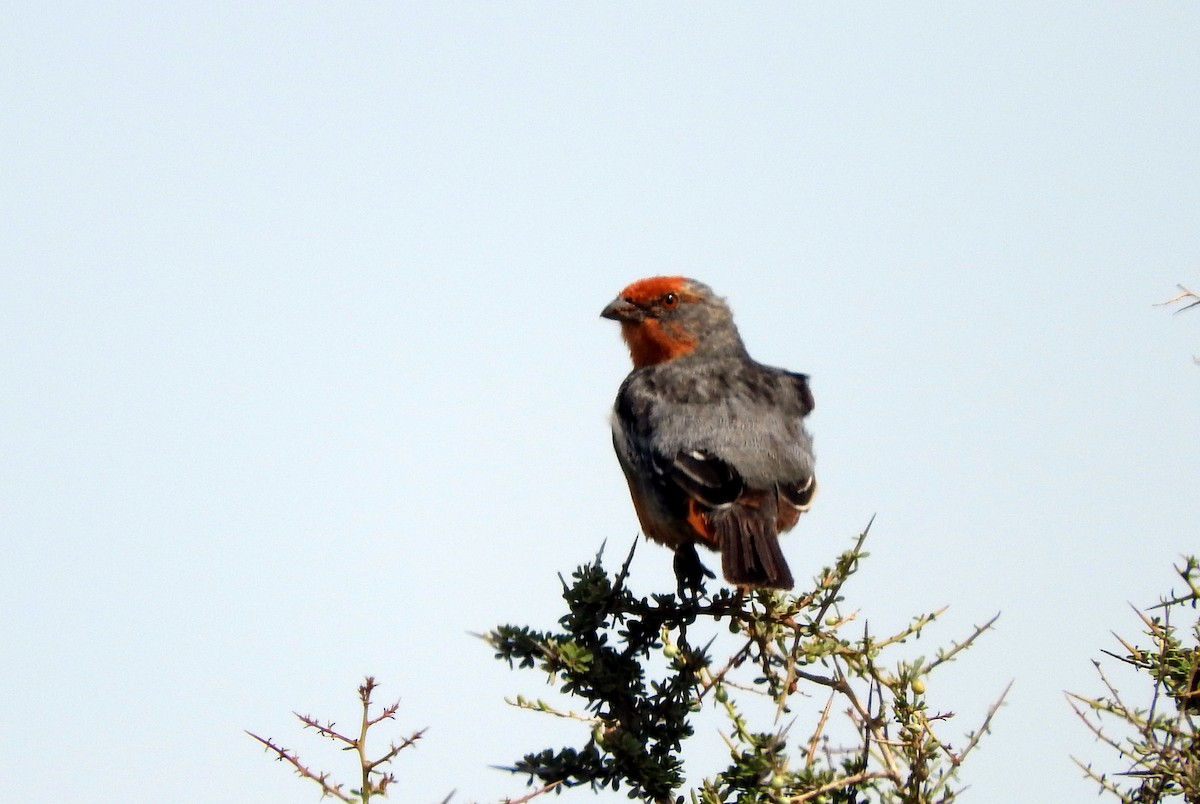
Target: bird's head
x,y
665,317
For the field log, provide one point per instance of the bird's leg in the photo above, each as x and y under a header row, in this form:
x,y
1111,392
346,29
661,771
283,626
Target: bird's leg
x,y
689,572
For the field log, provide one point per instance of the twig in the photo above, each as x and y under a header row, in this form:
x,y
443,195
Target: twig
x,y
322,779
326,730
832,593
1186,294
532,795
957,759
959,647
837,784
816,736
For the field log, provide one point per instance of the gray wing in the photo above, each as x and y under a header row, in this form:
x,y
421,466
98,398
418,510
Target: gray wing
x,y
748,416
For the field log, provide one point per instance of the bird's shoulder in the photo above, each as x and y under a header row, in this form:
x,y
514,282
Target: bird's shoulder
x,y
743,424
688,384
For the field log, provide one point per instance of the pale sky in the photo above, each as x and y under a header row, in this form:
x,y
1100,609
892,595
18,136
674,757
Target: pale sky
x,y
304,377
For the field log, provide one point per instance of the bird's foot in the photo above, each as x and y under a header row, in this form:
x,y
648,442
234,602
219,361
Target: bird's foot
x,y
690,573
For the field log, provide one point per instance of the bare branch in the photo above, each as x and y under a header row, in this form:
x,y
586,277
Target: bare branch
x,y
321,779
1184,294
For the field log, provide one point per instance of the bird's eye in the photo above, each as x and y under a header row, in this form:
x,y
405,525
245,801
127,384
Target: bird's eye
x,y
670,300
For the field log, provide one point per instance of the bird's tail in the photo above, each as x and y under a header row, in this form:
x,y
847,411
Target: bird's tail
x,y
750,554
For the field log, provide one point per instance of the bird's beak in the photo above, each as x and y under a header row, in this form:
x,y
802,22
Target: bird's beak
x,y
621,310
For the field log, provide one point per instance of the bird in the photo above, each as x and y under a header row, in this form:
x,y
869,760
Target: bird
x,y
712,443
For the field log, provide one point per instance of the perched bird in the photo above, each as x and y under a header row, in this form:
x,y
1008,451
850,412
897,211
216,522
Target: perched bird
x,y
712,443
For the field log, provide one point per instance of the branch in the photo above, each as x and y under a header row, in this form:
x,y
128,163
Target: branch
x,y
959,647
1185,294
327,730
837,784
831,595
532,795
396,749
957,759
283,754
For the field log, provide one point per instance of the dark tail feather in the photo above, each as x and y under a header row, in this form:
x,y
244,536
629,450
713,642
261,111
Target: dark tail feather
x,y
750,554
